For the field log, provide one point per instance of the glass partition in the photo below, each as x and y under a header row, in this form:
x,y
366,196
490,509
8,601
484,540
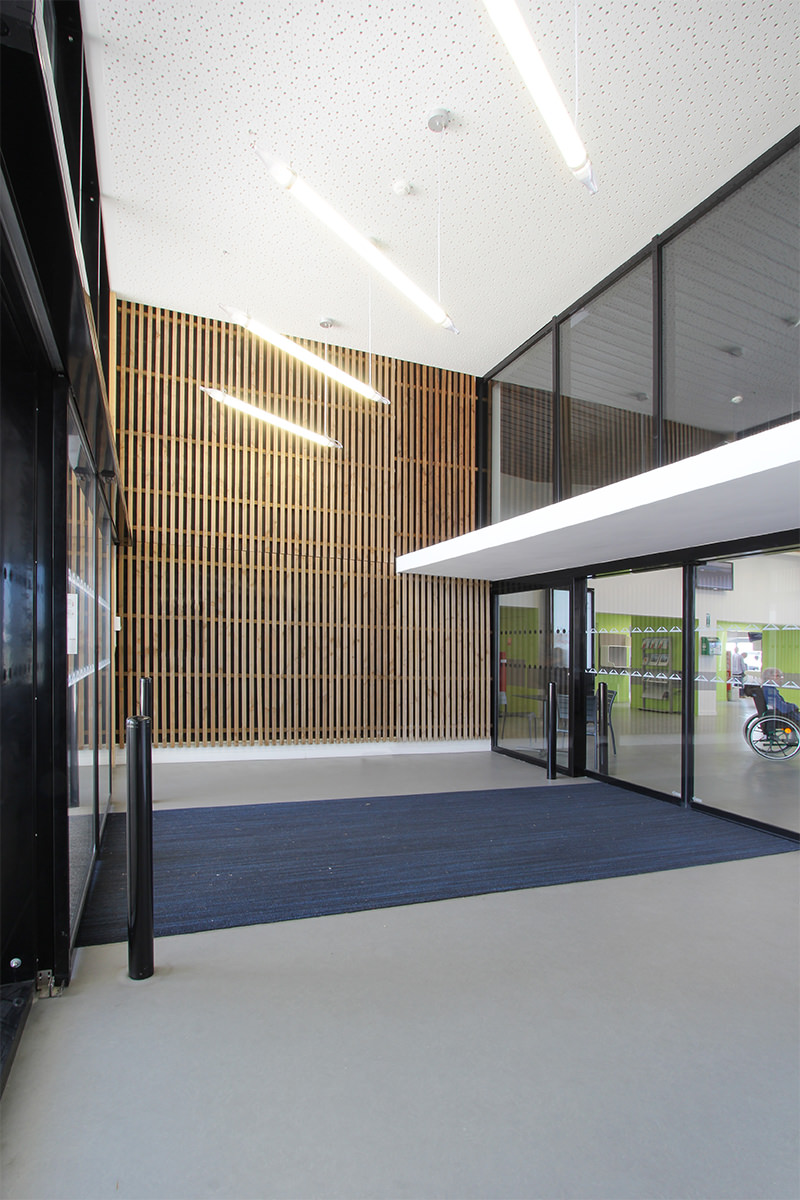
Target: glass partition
x,y
533,632
731,286
747,643
81,667
522,415
635,647
105,635
606,356
730,342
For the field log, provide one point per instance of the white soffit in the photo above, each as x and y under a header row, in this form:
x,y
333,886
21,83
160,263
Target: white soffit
x,y
743,489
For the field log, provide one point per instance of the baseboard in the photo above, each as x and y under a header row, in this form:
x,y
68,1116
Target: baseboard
x,y
201,754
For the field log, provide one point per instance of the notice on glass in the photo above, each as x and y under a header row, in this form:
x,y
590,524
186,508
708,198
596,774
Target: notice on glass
x,y
72,623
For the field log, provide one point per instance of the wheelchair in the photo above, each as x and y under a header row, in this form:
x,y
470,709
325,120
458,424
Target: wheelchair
x,y
771,735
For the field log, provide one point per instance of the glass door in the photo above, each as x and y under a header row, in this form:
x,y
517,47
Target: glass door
x,y
635,647
533,637
82,667
747,643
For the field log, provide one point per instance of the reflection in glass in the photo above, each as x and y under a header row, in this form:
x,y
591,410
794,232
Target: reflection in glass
x,y
81,666
533,650
104,644
745,633
731,286
635,648
606,386
522,411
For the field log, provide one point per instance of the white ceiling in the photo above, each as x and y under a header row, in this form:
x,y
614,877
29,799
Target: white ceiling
x,y
673,99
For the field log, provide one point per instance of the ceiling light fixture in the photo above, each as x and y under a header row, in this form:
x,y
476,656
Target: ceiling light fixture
x,y
291,182
311,360
511,26
260,414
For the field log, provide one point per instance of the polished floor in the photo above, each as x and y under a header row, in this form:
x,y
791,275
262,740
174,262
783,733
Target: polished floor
x,y
728,774
622,1038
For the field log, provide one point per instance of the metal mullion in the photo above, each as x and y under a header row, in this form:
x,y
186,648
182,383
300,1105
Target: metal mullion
x,y
657,432
577,652
688,671
556,412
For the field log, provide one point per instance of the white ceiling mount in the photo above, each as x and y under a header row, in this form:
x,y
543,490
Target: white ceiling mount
x,y
401,187
438,120
326,323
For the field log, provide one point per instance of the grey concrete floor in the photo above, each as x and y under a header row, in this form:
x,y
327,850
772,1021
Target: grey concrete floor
x,y
261,781
631,1037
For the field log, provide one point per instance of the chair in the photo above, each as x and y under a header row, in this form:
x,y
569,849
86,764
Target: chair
x,y
531,716
591,716
562,725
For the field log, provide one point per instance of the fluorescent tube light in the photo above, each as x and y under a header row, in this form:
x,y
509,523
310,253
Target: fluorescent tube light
x,y
306,356
260,414
511,26
292,183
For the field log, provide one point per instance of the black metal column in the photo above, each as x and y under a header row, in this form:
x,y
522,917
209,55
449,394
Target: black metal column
x,y
146,697
601,729
552,730
139,749
688,669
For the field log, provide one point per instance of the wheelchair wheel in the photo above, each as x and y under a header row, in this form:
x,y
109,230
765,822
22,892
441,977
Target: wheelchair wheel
x,y
773,737
749,723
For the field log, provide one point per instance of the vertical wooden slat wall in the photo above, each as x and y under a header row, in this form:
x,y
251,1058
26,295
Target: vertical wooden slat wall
x,y
260,590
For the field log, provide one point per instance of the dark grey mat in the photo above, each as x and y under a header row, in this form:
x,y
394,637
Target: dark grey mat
x,y
220,867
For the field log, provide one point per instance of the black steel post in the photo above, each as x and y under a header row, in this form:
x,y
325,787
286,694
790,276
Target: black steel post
x,y
552,730
146,697
139,751
601,730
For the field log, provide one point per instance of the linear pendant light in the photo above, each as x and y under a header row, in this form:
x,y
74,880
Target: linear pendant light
x,y
260,414
292,183
296,351
512,28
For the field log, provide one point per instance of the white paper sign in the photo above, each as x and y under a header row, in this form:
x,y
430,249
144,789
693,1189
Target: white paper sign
x,y
72,623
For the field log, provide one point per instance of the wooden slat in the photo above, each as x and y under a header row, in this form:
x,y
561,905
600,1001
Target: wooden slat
x,y
260,588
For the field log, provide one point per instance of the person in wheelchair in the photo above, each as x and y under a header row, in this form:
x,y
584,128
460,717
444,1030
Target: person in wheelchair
x,y
771,680
774,731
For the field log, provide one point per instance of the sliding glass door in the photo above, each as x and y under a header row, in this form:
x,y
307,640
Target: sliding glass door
x,y
533,639
747,644
635,647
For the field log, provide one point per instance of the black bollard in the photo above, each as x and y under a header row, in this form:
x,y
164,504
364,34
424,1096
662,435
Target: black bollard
x,y
601,732
552,730
139,750
146,697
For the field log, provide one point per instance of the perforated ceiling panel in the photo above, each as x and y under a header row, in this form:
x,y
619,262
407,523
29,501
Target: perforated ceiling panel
x,y
673,99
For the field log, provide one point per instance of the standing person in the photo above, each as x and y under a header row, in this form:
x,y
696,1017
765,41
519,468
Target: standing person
x,y
737,667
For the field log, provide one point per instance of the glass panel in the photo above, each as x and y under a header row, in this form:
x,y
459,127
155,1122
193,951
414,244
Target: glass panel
x,y
522,411
533,649
731,284
104,643
81,667
748,648
636,646
606,386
